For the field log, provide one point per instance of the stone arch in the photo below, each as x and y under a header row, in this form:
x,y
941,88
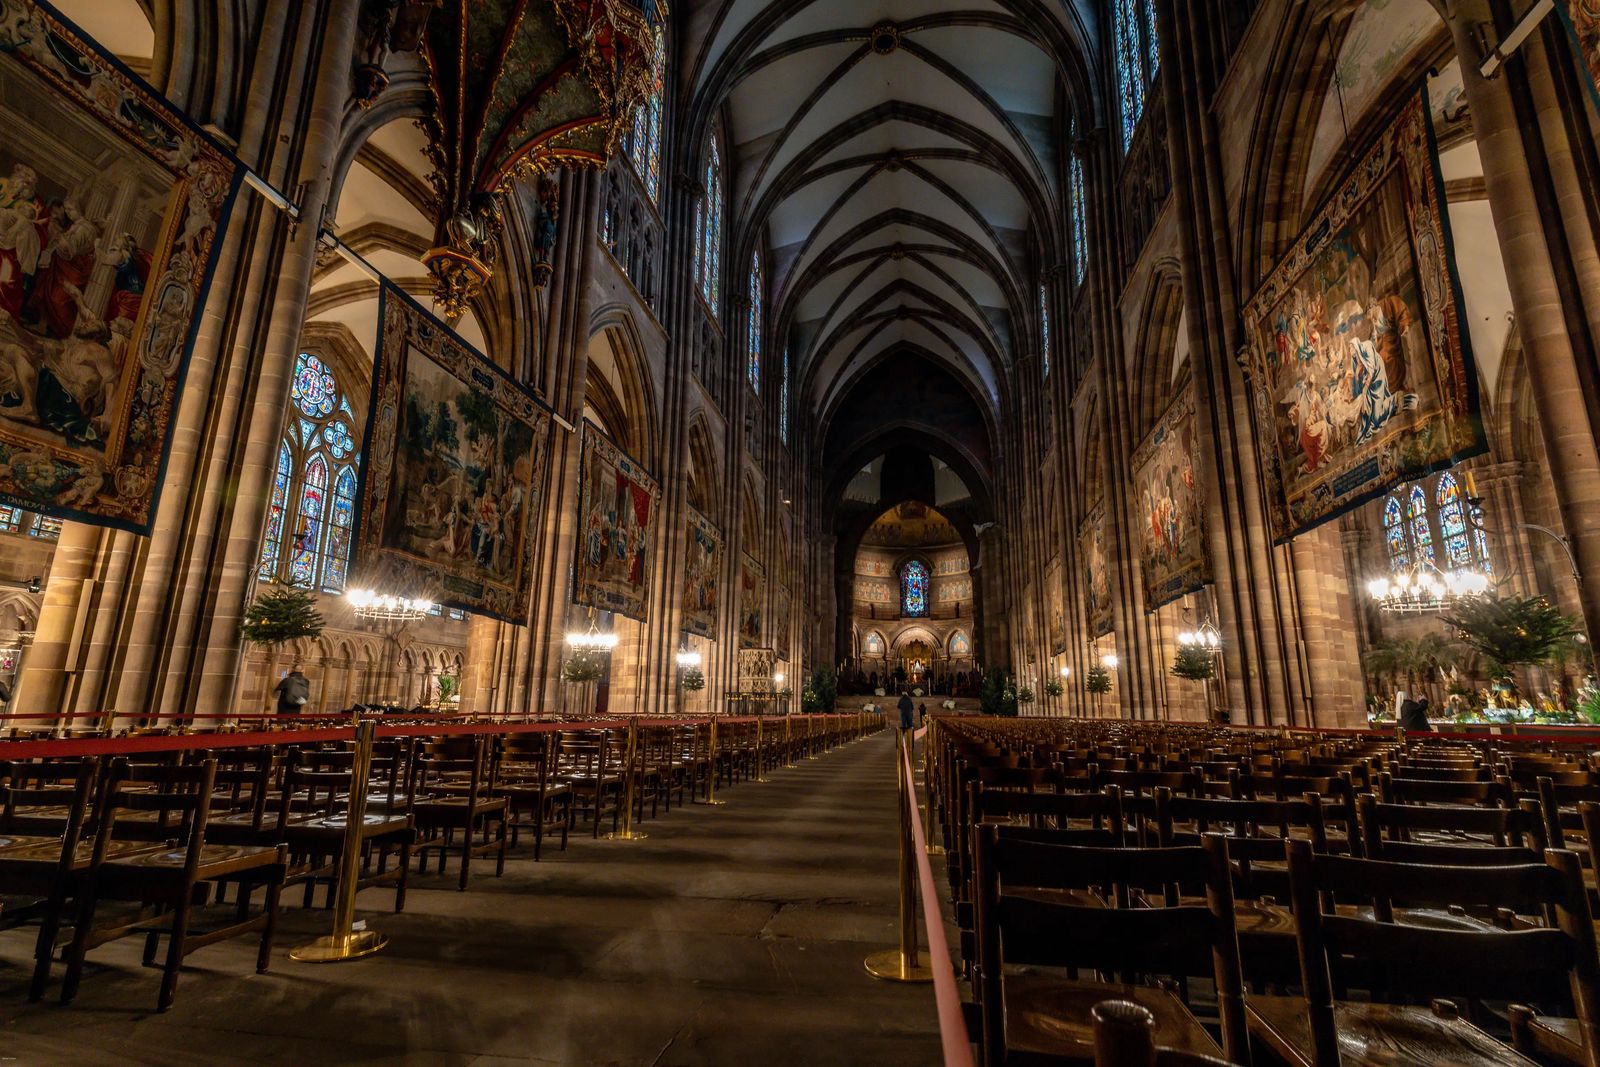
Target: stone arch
x,y
620,387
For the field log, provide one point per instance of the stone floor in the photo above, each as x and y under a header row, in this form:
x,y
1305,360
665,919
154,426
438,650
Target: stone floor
x,y
730,935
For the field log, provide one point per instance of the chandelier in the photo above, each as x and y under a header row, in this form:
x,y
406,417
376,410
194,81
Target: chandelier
x,y
1207,639
386,607
687,659
591,640
1424,588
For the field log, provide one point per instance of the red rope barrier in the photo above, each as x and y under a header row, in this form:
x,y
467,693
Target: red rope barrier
x,y
952,1023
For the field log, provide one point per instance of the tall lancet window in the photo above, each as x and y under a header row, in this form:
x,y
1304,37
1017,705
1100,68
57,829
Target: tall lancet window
x,y
1137,55
783,402
644,138
1080,221
708,231
753,342
1044,330
307,537
914,589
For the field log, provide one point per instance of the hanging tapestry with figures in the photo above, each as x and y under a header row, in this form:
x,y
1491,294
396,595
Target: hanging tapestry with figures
x,y
702,570
1172,544
111,203
454,476
1096,564
1058,611
1583,22
752,591
616,521
1360,372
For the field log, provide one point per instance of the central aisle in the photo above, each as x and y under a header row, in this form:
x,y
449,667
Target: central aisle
x,y
732,935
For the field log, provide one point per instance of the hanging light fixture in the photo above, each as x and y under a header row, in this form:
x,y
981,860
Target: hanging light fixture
x,y
386,607
1207,638
1109,661
591,639
1423,588
688,658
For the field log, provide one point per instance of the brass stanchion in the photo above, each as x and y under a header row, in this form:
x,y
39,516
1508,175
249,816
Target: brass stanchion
x,y
628,833
811,737
711,782
788,743
761,753
929,769
346,942
900,964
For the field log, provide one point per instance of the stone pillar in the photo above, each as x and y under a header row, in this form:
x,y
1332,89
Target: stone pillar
x,y
1521,195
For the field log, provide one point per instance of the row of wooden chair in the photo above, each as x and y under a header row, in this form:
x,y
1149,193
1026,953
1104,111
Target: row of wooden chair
x,y
1268,899
156,842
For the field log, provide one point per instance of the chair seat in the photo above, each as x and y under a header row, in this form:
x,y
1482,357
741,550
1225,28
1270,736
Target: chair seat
x,y
455,807
1049,1018
215,861
329,827
1378,1035
1556,1038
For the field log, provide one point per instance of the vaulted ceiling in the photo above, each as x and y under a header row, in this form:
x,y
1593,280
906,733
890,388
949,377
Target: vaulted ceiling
x,y
902,161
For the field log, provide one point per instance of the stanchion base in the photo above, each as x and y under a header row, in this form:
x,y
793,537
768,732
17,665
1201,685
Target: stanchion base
x,y
759,780
890,965
333,949
714,802
626,835
936,850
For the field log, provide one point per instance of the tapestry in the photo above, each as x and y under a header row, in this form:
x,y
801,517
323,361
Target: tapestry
x,y
702,570
1583,22
1360,373
1096,572
780,622
617,515
1058,610
1172,545
752,590
111,203
454,477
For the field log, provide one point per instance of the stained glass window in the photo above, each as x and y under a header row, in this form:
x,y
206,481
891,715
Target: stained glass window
x,y
644,139
1044,330
309,521
783,402
753,367
1480,538
10,519
314,391
1453,522
273,538
1421,533
1394,535
1137,55
336,554
308,527
45,528
1080,222
914,589
708,223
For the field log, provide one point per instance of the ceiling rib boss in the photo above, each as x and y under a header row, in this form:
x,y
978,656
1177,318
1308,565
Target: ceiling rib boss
x,y
521,88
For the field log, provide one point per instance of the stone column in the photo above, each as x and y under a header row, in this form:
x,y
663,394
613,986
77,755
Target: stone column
x,y
1521,194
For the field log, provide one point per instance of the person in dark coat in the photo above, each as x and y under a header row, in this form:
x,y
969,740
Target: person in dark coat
x,y
907,710
1414,716
293,692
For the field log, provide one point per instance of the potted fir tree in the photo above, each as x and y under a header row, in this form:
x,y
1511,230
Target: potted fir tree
x,y
277,617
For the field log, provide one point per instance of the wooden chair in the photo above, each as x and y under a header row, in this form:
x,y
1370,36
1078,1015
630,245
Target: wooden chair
x,y
1398,963
442,812
315,829
1039,1019
1125,1036
39,873
595,783
168,885
534,798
